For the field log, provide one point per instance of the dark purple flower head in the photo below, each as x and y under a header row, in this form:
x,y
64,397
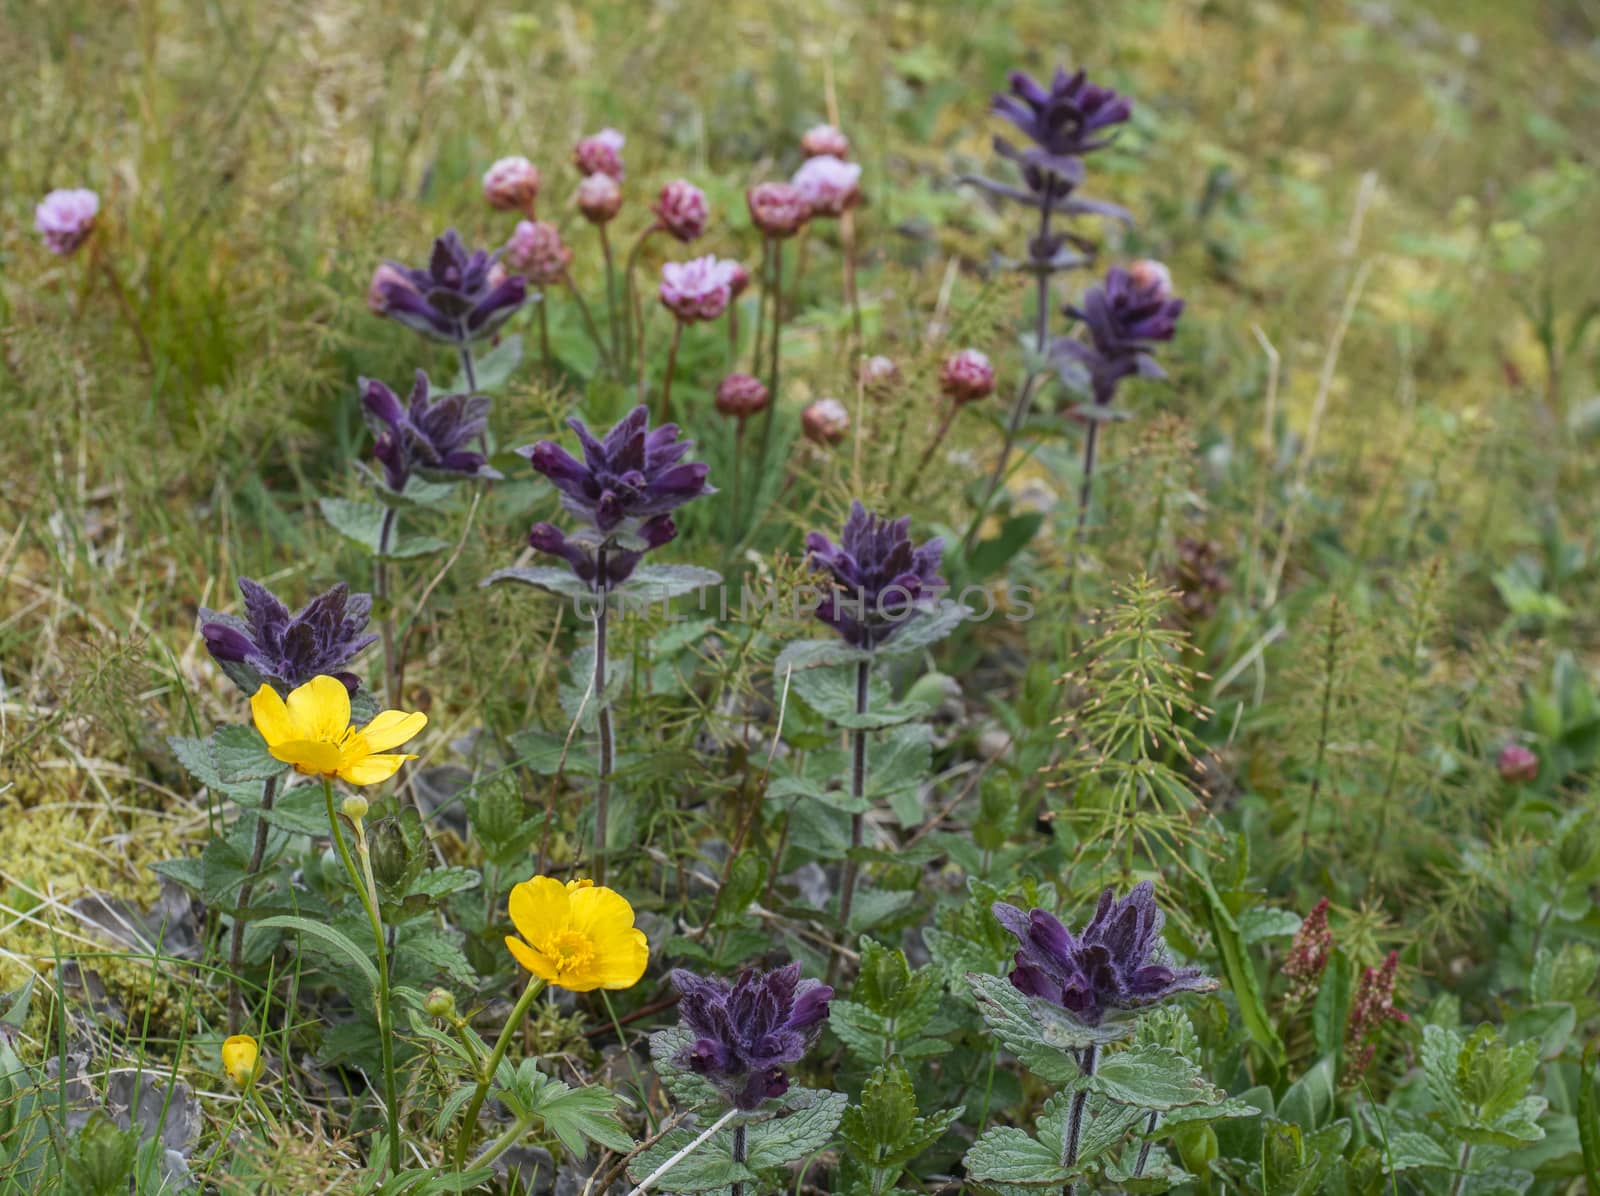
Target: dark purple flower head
x,y
1125,317
582,554
1117,964
426,436
286,650
1066,121
459,296
631,476
880,577
747,1032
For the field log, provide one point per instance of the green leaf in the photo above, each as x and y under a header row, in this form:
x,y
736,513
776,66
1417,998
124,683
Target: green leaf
x,y
441,882
651,584
494,368
546,577
1018,1027
885,1131
1332,1008
361,522
303,810
708,1168
576,1116
1241,972
1310,1100
809,654
990,556
925,628
1152,1077
1589,1119
1006,1155
803,1131
329,937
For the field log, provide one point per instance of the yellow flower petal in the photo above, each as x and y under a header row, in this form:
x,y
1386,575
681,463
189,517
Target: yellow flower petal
x,y
602,914
392,728
370,770
622,963
307,755
539,908
530,959
320,709
240,1055
271,716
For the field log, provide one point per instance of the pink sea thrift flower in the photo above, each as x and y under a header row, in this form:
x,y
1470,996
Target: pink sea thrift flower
x,y
511,185
600,153
828,184
1517,764
777,209
599,198
880,375
66,218
825,139
682,210
966,376
535,248
741,395
699,289
738,280
825,421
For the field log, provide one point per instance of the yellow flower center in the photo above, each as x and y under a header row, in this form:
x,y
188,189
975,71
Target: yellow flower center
x,y
569,951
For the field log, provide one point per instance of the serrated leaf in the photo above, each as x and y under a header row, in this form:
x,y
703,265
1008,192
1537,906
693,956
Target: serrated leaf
x,y
1006,1155
687,1088
548,578
925,628
1012,1018
302,810
803,1131
707,1168
1152,1077
441,882
651,584
810,654
1589,1119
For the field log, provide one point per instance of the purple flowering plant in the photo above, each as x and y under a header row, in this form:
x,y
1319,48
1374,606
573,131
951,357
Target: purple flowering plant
x,y
460,296
273,645
426,436
879,577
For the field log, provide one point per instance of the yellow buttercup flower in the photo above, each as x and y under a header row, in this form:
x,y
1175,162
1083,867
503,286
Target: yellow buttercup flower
x,y
241,1059
577,936
312,731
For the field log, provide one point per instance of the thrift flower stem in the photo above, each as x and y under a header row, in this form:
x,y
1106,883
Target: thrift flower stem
x,y
611,295
469,1121
772,364
1069,1150
847,238
665,415
258,851
120,294
761,307
858,787
602,794
933,447
380,585
588,320
367,890
1144,1151
544,337
632,315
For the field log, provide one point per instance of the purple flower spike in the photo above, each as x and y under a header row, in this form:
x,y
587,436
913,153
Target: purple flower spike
x,y
426,436
1116,965
747,1032
1125,317
880,577
460,296
286,650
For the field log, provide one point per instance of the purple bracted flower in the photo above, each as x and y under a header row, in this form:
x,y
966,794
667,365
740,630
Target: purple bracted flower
x,y
459,297
581,552
286,650
426,436
1125,316
880,577
747,1032
1117,964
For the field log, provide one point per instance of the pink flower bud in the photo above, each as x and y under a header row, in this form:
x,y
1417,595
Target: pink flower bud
x,y
828,184
66,218
697,290
966,376
777,209
682,210
738,279
511,185
599,198
535,248
825,421
879,375
825,139
1518,764
741,395
1148,275
600,153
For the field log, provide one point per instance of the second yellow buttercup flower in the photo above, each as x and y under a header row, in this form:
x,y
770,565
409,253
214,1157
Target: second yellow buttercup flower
x,y
312,731
578,935
241,1060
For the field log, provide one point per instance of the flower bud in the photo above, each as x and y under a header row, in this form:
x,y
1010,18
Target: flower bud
x,y
600,153
741,395
1153,277
66,218
879,375
241,1060
535,248
966,376
682,210
828,184
439,1003
825,139
1517,764
599,198
825,421
738,279
354,807
777,209
386,280
511,185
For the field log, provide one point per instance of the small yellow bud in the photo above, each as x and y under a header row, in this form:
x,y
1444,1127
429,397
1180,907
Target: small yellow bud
x,y
241,1059
354,807
439,1003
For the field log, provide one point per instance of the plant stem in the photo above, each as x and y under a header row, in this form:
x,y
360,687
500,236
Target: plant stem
x,y
632,315
933,447
611,294
588,319
772,364
1069,1149
602,792
847,239
761,307
128,314
258,851
467,366
858,787
367,891
705,1135
1086,487
1315,787
380,586
1461,1169
469,1121
544,337
738,1155
1019,410
1144,1150
738,470
666,382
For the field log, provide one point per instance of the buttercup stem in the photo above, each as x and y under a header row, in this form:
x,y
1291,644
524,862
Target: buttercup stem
x,y
602,793
258,851
858,787
469,1121
380,586
1069,1150
665,414
366,890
